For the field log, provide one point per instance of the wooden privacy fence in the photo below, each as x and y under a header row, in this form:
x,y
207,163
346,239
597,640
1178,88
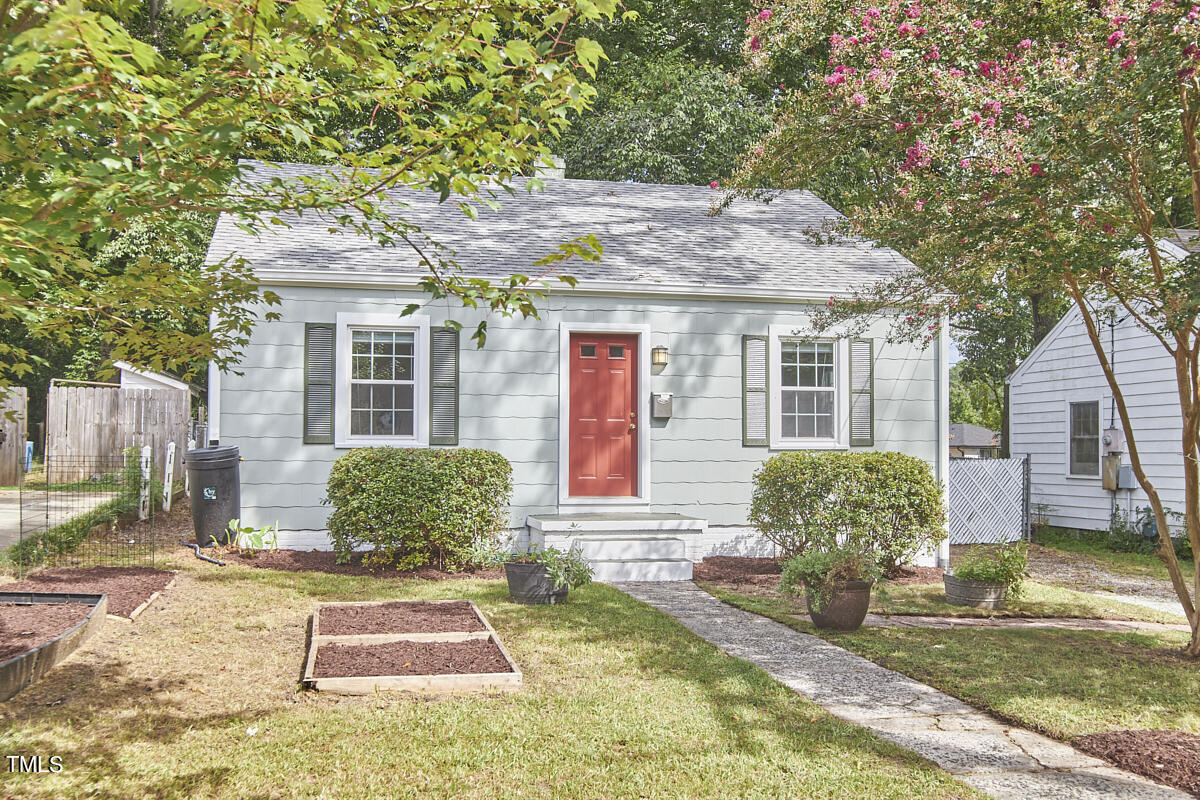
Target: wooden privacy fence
x,y
12,436
989,500
89,422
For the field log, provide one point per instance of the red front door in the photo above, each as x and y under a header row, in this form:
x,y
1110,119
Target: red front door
x,y
603,414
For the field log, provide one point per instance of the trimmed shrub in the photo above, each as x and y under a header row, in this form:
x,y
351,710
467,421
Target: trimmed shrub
x,y
416,506
887,504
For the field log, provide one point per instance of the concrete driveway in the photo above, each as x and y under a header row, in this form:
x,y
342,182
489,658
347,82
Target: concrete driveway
x,y
41,511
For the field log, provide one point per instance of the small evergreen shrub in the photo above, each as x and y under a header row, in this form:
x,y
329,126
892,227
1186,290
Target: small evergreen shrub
x,y
1006,564
418,506
883,503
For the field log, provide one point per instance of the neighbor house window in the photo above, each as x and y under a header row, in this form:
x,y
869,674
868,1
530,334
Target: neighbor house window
x,y
1084,438
382,380
808,397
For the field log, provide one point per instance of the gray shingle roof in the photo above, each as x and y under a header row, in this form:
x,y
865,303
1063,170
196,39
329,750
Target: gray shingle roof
x,y
652,234
964,434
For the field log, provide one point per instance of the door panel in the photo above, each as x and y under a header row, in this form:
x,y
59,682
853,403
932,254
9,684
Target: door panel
x,y
602,450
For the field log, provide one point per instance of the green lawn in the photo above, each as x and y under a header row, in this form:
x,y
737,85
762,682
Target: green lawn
x,y
1138,565
1064,683
620,701
1037,600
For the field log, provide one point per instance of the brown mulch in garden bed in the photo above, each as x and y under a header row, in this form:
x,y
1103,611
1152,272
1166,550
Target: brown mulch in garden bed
x,y
409,658
399,617
24,627
1170,757
323,561
126,587
761,576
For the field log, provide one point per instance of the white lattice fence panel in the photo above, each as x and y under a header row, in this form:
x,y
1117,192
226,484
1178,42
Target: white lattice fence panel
x,y
987,500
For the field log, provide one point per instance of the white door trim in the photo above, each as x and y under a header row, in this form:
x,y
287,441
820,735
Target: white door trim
x,y
642,500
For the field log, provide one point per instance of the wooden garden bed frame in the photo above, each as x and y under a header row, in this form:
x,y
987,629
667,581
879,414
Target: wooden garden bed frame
x,y
370,684
23,669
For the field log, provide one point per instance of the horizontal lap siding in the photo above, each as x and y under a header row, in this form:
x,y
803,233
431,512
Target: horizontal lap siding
x,y
509,401
1067,370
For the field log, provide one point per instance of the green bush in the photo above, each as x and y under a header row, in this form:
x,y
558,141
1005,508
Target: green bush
x,y
884,503
416,506
1007,564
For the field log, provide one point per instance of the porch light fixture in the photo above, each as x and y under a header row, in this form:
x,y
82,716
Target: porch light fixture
x,y
658,356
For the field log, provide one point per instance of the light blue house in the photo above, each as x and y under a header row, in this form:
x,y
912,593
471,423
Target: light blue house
x,y
634,411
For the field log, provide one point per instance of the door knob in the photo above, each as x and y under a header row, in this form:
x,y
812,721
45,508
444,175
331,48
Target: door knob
x,y
633,426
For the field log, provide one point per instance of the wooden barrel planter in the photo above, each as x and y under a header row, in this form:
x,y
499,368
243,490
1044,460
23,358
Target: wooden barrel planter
x,y
23,669
977,594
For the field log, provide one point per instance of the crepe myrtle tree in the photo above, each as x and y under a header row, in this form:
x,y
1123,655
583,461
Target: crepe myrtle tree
x,y
116,113
1039,147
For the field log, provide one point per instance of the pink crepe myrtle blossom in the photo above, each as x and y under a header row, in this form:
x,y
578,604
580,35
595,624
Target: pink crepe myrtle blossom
x,y
934,54
765,14
837,42
905,29
859,99
1025,44
886,53
977,24
913,11
874,13
978,306
965,163
755,44
920,206
1156,5
958,123
988,68
1115,38
714,184
1036,169
1129,62
834,79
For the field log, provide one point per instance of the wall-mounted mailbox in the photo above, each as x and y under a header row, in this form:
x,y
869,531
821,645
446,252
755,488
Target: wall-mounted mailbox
x,y
661,405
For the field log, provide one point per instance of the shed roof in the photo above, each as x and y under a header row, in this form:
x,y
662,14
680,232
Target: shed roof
x,y
651,234
964,434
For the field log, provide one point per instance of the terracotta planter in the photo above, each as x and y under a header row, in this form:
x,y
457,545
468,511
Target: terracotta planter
x,y
978,594
530,584
845,607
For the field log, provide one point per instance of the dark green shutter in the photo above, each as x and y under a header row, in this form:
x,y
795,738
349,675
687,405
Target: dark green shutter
x,y
318,382
862,392
756,404
443,386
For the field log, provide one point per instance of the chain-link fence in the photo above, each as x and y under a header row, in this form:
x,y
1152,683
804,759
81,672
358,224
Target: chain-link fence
x,y
90,511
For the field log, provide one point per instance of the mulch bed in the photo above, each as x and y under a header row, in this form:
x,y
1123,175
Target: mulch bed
x,y
323,561
399,617
24,627
126,587
761,576
409,658
1170,757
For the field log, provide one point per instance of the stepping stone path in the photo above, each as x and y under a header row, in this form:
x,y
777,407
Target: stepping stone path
x,y
1059,623
994,758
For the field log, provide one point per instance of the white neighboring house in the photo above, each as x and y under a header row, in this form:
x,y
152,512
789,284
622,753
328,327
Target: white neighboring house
x,y
131,377
1060,408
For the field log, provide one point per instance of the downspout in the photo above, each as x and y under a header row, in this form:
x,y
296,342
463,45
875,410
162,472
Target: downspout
x,y
941,416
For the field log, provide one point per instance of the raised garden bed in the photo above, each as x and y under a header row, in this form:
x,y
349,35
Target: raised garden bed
x,y
446,646
129,589
39,630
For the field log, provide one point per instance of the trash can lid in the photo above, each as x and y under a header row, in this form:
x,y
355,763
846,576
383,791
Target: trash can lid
x,y
203,455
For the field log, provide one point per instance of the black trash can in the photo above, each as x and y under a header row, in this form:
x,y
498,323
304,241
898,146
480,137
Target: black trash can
x,y
215,484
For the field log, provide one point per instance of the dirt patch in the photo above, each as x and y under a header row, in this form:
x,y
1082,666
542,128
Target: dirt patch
x,y
409,658
126,587
1170,757
761,576
399,617
323,561
26,626
1078,571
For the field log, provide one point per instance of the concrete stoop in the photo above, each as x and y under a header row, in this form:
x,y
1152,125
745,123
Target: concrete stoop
x,y
622,547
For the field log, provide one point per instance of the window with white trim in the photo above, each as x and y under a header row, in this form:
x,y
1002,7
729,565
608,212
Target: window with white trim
x,y
809,390
808,396
381,380
1083,432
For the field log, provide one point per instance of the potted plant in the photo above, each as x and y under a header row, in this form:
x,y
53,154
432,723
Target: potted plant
x,y
837,585
985,577
545,575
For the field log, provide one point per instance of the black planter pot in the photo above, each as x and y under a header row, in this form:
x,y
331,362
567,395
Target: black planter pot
x,y
845,607
531,585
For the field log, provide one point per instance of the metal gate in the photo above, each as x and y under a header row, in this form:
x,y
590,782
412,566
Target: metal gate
x,y
989,500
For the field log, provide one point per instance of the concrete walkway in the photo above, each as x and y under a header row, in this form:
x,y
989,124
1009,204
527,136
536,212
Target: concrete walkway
x,y
994,758
1164,605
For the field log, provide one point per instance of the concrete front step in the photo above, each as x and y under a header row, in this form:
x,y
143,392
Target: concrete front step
x,y
621,570
615,548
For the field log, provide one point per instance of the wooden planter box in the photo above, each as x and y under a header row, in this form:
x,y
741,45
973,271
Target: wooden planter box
x,y
21,670
370,684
